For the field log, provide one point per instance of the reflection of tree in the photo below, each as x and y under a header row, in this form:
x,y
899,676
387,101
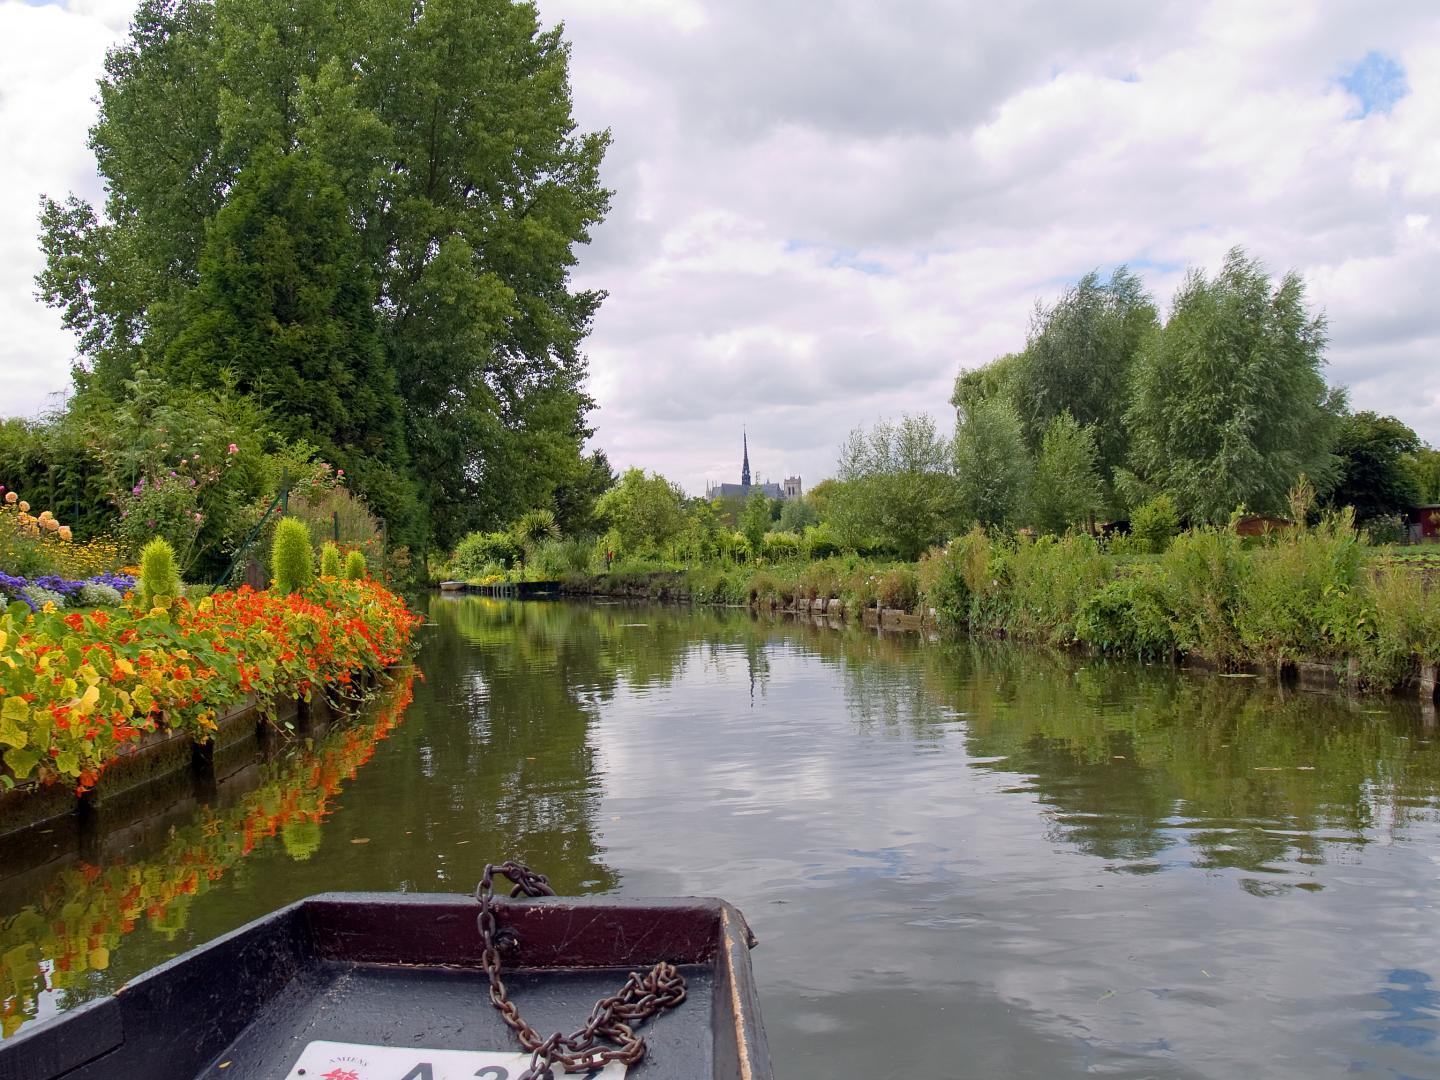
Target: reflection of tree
x,y
507,743
63,941
1128,757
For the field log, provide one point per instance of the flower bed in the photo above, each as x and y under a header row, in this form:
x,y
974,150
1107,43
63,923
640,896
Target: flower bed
x,y
77,688
96,591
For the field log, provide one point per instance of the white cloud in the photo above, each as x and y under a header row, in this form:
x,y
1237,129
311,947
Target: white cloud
x,y
821,214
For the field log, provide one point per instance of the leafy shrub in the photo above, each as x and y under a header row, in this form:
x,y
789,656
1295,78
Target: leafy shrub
x,y
479,550
1127,616
1155,524
1386,529
166,506
780,546
1123,544
1205,574
858,590
1299,597
329,560
557,558
1049,581
764,589
739,547
535,527
292,559
159,577
821,580
942,584
821,543
355,566
1404,626
898,589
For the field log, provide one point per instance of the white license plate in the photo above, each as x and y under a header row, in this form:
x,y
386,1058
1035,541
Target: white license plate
x,y
357,1061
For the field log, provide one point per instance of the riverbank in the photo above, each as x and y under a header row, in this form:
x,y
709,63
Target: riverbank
x,y
1312,604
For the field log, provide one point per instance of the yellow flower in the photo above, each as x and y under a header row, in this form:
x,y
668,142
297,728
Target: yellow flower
x,y
65,533
24,506
49,607
10,497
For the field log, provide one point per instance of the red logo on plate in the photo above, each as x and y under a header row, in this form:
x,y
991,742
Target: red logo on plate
x,y
341,1074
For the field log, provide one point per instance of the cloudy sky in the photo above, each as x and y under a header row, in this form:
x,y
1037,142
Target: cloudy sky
x,y
823,211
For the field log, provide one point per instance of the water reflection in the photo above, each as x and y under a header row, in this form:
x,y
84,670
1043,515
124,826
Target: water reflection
x,y
60,944
961,858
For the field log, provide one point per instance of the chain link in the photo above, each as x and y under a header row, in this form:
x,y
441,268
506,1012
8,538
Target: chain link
x,y
613,1019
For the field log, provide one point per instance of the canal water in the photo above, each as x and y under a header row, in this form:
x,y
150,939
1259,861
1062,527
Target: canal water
x,y
960,861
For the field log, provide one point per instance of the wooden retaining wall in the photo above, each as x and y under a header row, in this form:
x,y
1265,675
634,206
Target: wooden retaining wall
x,y
159,768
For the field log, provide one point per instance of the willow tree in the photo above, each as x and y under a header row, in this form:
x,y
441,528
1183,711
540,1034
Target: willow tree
x,y
1229,404
445,128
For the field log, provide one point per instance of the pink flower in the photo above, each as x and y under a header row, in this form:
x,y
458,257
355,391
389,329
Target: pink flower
x,y
233,449
339,472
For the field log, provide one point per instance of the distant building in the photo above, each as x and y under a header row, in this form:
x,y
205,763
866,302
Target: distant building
x,y
1424,522
791,489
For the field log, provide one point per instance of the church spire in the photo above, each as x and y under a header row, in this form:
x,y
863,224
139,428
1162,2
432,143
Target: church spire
x,y
745,468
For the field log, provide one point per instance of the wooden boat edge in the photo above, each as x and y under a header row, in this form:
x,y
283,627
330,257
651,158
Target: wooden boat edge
x,y
82,1036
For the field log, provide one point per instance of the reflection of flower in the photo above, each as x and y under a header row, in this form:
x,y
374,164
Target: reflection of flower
x,y
87,910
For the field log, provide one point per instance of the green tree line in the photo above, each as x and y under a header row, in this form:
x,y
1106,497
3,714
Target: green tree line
x,y
361,219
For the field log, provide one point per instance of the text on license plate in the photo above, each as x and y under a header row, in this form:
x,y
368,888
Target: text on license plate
x,y
357,1061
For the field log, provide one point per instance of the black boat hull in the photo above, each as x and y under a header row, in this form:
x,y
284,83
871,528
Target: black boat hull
x,y
403,970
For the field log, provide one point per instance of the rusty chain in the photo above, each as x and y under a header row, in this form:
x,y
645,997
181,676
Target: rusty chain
x,y
613,1018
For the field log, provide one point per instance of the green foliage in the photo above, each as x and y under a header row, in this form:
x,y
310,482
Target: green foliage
x,y
821,543
1403,612
755,520
896,488
284,304
645,513
159,575
1299,598
1079,359
443,138
781,546
992,464
554,559
1229,405
1065,487
330,560
1424,466
535,527
355,566
1128,616
1205,574
797,515
1154,523
898,589
292,557
1047,582
479,551
1376,475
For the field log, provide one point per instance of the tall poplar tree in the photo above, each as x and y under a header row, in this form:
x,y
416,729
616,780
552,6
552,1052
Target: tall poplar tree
x,y
445,127
1229,404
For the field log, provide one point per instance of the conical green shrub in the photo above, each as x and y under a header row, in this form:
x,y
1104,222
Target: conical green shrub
x,y
355,566
158,574
330,561
292,558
